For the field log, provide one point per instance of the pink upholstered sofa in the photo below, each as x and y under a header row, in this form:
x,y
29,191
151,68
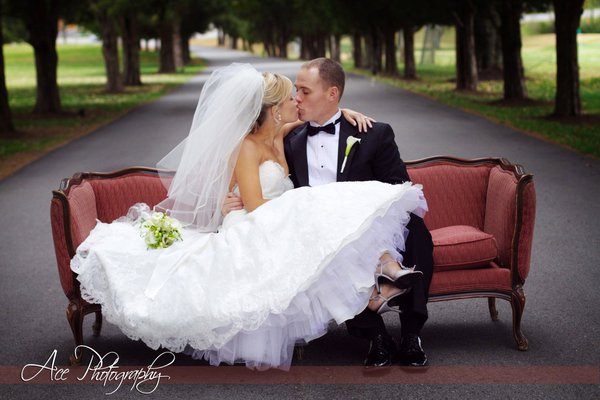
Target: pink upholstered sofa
x,y
481,216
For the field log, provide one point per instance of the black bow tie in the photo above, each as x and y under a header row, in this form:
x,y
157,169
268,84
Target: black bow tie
x,y
329,128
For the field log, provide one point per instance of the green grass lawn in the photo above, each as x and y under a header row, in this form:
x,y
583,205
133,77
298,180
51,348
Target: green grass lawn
x,y
81,80
539,58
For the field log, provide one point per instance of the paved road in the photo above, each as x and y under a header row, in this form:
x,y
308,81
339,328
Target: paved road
x,y
561,318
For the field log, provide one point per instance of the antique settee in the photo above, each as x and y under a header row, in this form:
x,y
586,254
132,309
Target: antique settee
x,y
481,217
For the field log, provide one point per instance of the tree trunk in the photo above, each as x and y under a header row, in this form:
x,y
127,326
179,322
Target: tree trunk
x,y
567,18
376,67
337,41
488,46
310,46
514,77
177,50
220,37
497,59
303,48
466,64
110,51
357,50
131,50
369,52
283,43
408,36
374,51
42,25
246,45
391,65
6,124
321,45
269,47
185,48
167,52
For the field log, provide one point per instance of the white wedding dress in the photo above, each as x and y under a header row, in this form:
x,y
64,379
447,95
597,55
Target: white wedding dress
x,y
267,280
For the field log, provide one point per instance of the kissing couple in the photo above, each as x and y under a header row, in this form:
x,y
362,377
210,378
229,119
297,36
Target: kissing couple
x,y
272,249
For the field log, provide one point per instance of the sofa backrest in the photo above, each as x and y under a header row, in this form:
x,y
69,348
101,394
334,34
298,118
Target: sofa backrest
x,y
459,192
115,195
456,194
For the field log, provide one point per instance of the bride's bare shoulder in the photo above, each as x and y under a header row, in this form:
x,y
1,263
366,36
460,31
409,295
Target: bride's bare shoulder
x,y
250,149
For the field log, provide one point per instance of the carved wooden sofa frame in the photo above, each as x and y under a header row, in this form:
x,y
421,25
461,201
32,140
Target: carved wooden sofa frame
x,y
460,193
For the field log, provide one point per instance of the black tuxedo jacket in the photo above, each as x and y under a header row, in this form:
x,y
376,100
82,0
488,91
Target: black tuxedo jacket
x,y
376,157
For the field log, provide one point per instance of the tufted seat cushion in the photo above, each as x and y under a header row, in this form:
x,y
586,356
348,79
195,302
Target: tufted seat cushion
x,y
462,246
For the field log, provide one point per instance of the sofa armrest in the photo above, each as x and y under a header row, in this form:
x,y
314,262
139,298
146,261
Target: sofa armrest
x,y
526,204
62,242
500,212
82,212
87,197
73,215
509,216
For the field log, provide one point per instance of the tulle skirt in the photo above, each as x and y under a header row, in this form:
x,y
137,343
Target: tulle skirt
x,y
275,277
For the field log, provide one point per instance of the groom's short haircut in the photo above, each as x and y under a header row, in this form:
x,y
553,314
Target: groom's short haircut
x,y
330,71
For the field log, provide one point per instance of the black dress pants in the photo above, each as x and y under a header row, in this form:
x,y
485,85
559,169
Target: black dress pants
x,y
419,252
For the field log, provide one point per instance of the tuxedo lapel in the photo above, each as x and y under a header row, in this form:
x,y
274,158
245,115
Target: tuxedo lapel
x,y
346,130
299,159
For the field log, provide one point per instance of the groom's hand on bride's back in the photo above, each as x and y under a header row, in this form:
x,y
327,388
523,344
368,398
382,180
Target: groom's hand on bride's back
x,y
232,203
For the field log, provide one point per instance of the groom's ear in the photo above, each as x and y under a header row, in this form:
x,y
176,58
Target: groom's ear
x,y
333,94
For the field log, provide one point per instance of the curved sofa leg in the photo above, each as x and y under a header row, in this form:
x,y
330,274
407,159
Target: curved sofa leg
x,y
75,318
492,307
518,305
97,327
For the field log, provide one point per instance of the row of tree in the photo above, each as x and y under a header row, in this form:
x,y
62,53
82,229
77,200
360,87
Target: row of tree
x,y
488,38
37,22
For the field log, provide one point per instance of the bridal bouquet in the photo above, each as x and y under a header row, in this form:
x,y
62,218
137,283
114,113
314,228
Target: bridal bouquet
x,y
160,231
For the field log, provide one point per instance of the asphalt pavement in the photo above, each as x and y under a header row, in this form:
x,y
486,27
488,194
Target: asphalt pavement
x,y
470,356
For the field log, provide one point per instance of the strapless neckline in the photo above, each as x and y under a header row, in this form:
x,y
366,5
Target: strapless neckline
x,y
273,180
274,162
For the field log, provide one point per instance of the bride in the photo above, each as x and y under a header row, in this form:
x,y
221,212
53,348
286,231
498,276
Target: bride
x,y
248,287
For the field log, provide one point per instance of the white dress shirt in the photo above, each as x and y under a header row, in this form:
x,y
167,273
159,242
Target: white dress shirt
x,y
322,154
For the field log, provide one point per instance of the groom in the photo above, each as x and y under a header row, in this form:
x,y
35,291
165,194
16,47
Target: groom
x,y
315,156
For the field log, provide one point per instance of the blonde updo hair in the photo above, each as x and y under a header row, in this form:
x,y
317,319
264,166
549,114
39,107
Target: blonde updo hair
x,y
277,89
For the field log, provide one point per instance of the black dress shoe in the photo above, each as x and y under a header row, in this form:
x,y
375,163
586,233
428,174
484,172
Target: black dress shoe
x,y
382,352
411,351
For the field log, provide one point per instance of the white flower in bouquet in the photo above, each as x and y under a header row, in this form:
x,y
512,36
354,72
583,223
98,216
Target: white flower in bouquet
x,y
160,231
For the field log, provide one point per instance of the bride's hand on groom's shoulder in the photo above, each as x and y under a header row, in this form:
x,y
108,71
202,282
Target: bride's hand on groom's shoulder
x,y
232,203
355,118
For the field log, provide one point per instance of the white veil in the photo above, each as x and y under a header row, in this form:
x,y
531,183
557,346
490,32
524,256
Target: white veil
x,y
229,104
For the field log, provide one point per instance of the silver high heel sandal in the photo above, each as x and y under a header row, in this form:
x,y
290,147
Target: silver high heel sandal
x,y
385,307
402,279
